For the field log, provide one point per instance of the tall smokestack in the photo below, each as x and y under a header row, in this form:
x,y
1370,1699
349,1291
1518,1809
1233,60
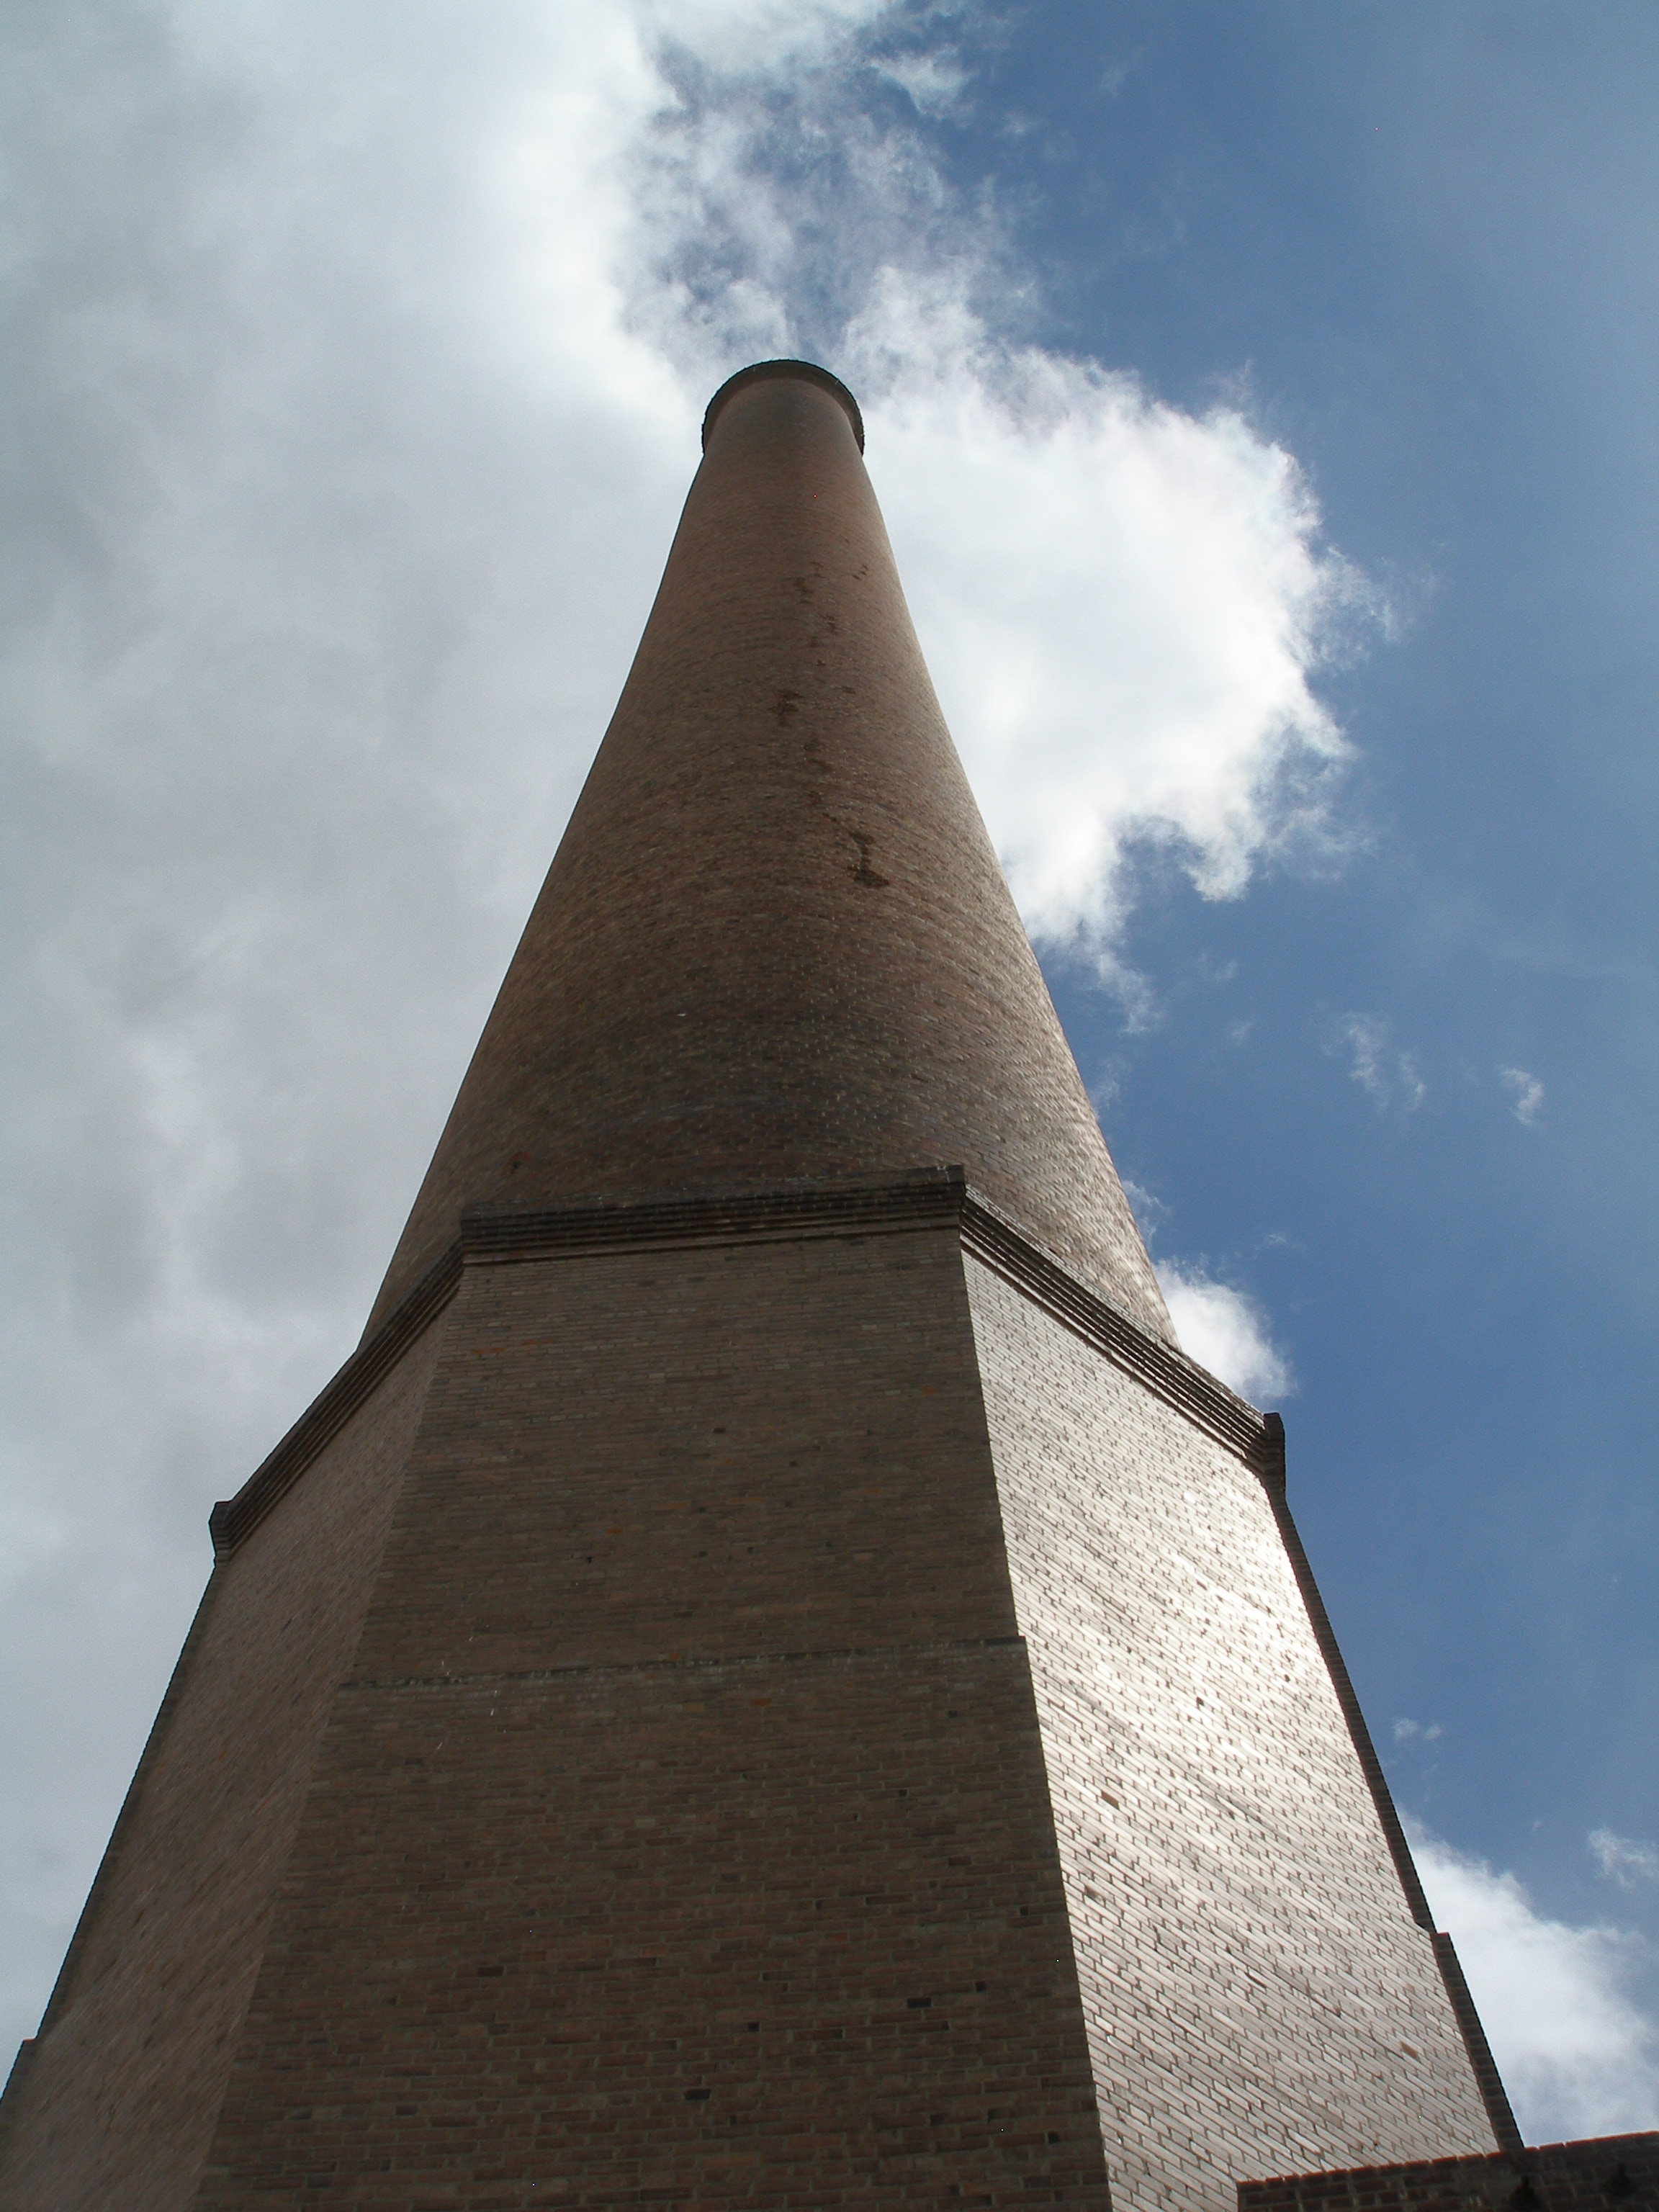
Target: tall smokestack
x,y
767,1679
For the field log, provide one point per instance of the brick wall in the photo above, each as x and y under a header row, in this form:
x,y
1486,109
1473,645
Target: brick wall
x,y
748,1715
1610,2172
1257,1994
715,1934
118,2105
681,1835
746,1447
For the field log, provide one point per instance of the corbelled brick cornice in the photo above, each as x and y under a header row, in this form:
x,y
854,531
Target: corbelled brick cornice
x,y
927,1198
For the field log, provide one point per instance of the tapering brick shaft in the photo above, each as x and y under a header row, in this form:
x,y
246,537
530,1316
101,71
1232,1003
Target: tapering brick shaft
x,y
775,941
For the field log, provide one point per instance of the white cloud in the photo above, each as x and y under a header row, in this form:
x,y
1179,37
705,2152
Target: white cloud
x,y
1224,1331
1410,1731
357,360
1578,2054
1526,1094
1148,1208
1122,605
1621,1859
934,81
1388,1076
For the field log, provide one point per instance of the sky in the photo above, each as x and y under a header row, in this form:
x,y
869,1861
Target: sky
x,y
1262,401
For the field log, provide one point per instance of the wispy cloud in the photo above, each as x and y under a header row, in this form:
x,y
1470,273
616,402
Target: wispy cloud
x,y
1149,1209
1577,2053
1622,1860
1225,1330
935,83
1388,1075
1526,1094
1410,1731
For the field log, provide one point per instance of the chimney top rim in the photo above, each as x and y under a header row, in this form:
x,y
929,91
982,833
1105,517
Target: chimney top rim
x,y
809,372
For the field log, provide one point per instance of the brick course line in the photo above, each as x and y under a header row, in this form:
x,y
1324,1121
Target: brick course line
x,y
1179,1382
839,1207
669,1666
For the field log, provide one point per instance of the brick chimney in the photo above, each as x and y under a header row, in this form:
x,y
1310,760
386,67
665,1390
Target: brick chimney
x,y
767,1678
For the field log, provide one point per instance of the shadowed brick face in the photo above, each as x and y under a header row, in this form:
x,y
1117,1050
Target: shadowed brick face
x,y
133,2053
762,1447
767,1680
735,1934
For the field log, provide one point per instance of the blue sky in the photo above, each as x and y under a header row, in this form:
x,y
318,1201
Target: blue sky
x,y
1262,400
1421,239
1418,236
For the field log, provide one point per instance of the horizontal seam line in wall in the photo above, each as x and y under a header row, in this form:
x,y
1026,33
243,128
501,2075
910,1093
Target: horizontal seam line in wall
x,y
802,1231
925,1199
666,1666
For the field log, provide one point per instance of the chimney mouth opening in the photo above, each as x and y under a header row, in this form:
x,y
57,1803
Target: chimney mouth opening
x,y
807,371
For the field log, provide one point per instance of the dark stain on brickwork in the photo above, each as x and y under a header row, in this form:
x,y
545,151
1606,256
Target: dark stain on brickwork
x,y
861,872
